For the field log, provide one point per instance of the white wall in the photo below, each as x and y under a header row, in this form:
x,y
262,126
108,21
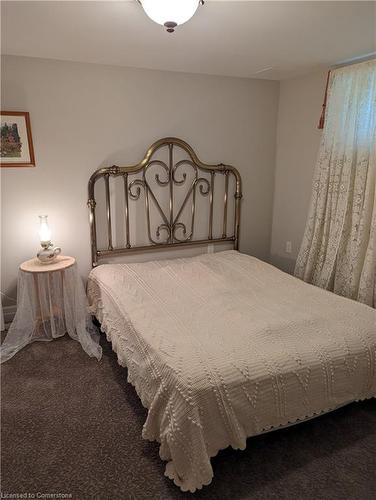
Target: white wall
x,y
85,116
298,141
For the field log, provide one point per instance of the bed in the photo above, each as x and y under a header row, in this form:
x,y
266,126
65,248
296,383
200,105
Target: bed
x,y
222,346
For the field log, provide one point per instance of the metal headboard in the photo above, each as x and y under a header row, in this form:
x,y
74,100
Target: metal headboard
x,y
171,222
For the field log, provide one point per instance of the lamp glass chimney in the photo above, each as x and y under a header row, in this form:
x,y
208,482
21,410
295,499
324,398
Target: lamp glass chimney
x,y
44,230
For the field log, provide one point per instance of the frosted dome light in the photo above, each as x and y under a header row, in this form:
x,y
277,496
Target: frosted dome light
x,y
170,13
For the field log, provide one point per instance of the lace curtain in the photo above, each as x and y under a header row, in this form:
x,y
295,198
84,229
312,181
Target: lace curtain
x,y
338,252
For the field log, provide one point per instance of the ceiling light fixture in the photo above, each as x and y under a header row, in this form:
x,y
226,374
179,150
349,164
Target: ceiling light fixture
x,y
170,13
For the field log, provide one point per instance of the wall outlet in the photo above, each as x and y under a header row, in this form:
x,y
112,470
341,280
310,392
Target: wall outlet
x,y
288,247
211,248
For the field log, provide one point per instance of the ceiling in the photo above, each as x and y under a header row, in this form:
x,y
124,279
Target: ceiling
x,y
267,39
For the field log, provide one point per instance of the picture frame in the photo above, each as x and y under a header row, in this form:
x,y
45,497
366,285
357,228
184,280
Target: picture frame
x,y
16,148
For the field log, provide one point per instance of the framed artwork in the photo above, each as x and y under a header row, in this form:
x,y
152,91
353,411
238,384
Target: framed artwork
x,y
16,142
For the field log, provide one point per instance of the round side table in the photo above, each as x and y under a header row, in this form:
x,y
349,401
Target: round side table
x,y
51,301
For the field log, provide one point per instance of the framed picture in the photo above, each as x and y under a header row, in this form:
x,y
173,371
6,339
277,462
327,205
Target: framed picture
x,y
16,141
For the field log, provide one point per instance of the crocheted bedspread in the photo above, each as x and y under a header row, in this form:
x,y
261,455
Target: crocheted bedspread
x,y
223,346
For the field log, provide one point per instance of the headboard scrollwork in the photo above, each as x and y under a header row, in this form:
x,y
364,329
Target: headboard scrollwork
x,y
170,230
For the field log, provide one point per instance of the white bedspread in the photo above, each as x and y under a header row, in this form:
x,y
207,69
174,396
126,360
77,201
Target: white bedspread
x,y
221,347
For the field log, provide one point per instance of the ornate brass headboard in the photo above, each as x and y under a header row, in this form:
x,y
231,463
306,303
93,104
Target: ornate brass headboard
x,y
170,178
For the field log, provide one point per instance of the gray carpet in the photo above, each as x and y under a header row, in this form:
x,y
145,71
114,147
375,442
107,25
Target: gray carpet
x,y
73,425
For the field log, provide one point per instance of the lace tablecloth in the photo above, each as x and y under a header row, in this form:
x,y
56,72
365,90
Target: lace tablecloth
x,y
51,301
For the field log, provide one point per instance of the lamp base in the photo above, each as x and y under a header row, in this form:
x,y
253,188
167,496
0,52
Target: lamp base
x,y
48,253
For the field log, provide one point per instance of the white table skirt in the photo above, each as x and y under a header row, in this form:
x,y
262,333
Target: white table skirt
x,y
50,304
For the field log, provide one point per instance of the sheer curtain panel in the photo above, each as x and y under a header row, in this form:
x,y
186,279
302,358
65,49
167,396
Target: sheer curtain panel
x,y
338,251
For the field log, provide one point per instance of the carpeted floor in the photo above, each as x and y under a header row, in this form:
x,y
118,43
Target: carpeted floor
x,y
73,425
